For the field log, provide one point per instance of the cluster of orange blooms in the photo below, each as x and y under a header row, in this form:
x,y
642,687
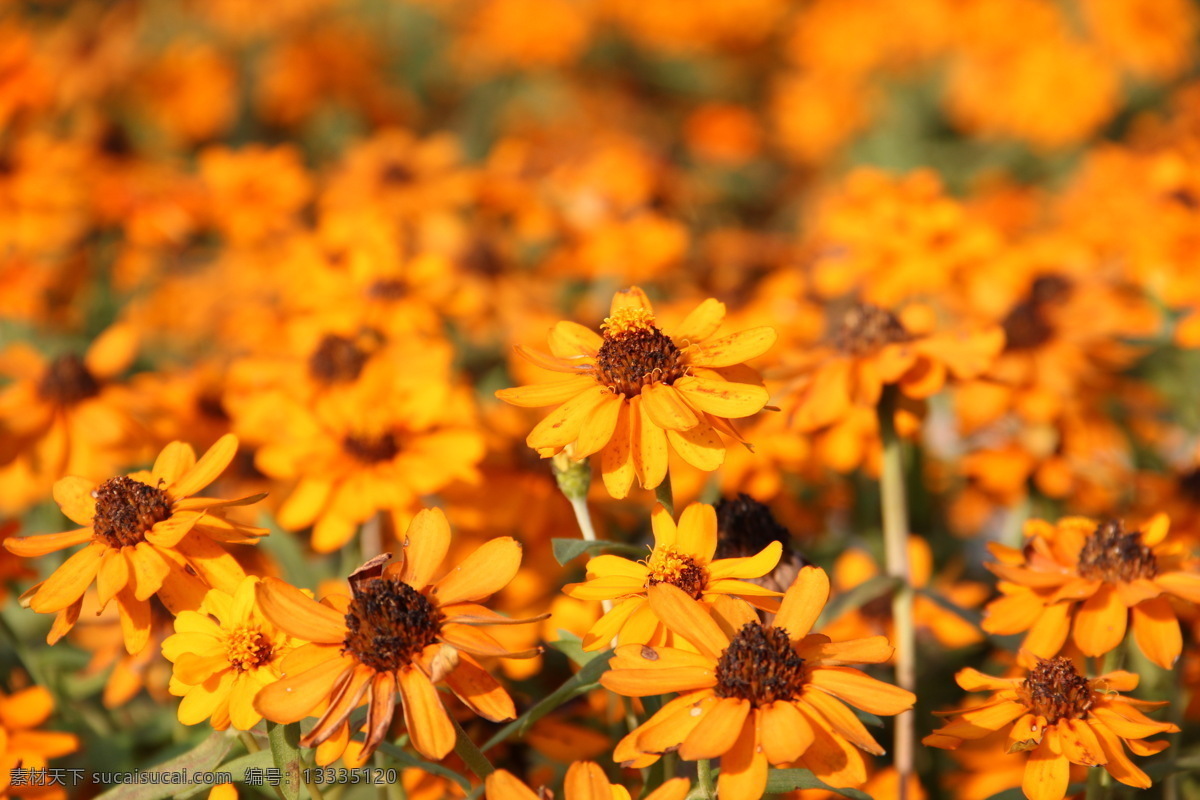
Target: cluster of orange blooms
x,y
853,342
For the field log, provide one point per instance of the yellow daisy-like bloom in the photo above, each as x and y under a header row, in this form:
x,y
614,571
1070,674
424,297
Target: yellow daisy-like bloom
x,y
398,631
682,557
1094,580
223,655
1060,718
146,535
585,781
755,694
636,390
22,746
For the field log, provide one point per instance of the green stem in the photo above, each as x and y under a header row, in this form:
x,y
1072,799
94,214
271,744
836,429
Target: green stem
x,y
1096,790
663,494
895,542
470,754
704,778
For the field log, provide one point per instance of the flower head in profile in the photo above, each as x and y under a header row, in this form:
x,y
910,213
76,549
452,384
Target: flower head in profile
x,y
585,781
147,534
683,557
636,392
1060,718
1093,580
223,655
754,694
399,632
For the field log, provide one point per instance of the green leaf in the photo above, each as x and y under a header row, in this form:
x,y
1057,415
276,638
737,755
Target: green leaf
x,y
788,780
857,597
406,759
285,753
568,549
581,682
571,646
204,757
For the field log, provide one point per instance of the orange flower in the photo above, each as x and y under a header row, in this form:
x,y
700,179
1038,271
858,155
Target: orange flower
x,y
1094,579
398,630
585,781
754,694
146,535
873,348
1062,718
682,557
634,390
223,655
22,746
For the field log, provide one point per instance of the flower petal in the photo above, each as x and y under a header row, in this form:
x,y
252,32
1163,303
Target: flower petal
x,y
113,575
1046,774
1079,744
697,531
34,546
1118,764
292,697
666,408
569,339
298,614
616,459
74,497
503,785
135,621
803,602
842,720
649,446
871,650
732,349
786,733
686,617
428,725
1048,634
701,323
68,583
1100,622
1156,631
212,562
481,693
861,690
754,566
561,426
586,781
700,446
173,462
744,768
722,398
717,731
647,682
486,571
425,544
598,429
207,469
537,395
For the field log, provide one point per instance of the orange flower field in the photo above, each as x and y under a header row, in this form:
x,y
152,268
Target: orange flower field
x,y
600,399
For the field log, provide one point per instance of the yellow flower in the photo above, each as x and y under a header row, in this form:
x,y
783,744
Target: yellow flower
x,y
1060,718
682,557
146,535
223,655
399,631
755,694
635,390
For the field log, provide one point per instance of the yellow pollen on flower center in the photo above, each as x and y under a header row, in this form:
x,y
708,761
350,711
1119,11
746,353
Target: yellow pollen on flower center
x,y
668,565
248,648
626,320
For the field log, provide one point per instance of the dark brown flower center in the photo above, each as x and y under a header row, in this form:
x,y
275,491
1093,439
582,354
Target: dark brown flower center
x,y
387,289
126,510
866,329
1056,690
1028,325
248,648
669,565
635,353
1110,554
68,381
337,359
389,623
372,449
760,666
395,173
